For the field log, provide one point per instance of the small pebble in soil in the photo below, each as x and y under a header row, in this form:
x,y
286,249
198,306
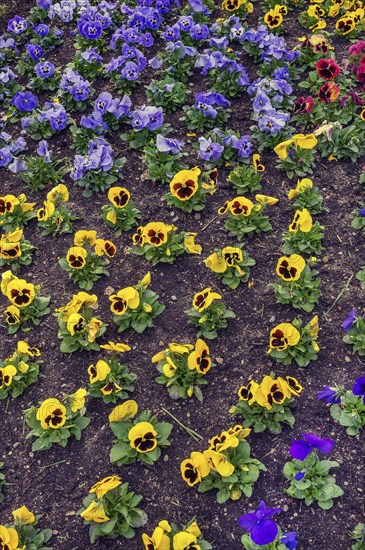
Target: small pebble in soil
x,y
173,298
347,359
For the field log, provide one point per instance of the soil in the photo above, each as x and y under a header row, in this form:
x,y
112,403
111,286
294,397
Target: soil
x,y
54,482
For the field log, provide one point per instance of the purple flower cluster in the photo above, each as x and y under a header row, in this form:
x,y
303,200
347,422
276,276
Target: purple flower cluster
x,y
8,152
147,117
98,159
205,102
74,84
217,60
129,64
92,23
55,114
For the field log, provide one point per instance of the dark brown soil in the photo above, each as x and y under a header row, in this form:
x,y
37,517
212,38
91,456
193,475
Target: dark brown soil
x,y
54,482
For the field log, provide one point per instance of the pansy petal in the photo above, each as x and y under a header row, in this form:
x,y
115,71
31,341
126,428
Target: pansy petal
x,y
300,450
264,532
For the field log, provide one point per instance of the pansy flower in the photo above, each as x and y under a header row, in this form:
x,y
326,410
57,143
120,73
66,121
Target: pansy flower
x,y
219,463
12,315
76,257
20,293
359,387
51,414
350,320
83,237
240,206
98,372
128,409
142,437
272,391
195,468
262,529
302,221
329,395
107,484
185,184
24,515
126,298
200,359
119,196
6,375
158,540
75,323
95,512
301,187
9,538
105,247
329,92
282,336
202,300
327,68
290,268
300,449
247,393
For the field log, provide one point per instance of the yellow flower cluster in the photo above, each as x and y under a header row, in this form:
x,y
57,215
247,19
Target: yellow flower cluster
x,y
55,197
270,391
162,538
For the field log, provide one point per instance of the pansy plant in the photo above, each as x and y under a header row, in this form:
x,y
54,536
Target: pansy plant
x,y
359,219
167,535
309,476
231,264
160,242
292,342
19,371
208,313
121,214
26,303
78,328
226,466
303,236
138,438
109,379
54,422
135,306
263,531
358,535
298,286
23,532
347,406
246,217
297,155
210,110
266,406
354,327
43,169
87,259
111,510
182,369
163,158
168,93
245,179
306,196
15,250
54,217
15,212
187,192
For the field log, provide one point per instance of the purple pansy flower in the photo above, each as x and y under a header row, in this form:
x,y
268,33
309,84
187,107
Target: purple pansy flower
x,y
262,530
359,387
349,321
362,212
329,395
300,448
168,146
24,101
290,540
45,69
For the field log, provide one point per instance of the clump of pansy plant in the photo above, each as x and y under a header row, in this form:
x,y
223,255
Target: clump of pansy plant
x,y
292,342
228,148
121,214
110,510
167,535
53,422
298,286
15,212
263,531
358,535
109,379
303,236
87,259
305,195
245,178
354,327
21,105
226,466
337,141
145,122
187,192
15,250
231,264
138,439
49,120
210,110
46,77
296,155
135,306
266,406
26,303
97,170
168,93
54,217
23,532
160,242
162,158
42,169
359,220
209,314
75,92
346,406
78,328
182,368
309,476
246,217
19,371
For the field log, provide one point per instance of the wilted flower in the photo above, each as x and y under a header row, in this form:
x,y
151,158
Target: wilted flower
x,y
329,395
